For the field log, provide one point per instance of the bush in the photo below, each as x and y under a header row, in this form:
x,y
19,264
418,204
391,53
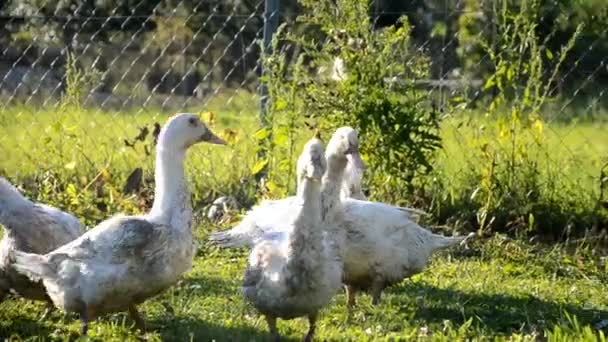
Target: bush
x,y
514,182
373,90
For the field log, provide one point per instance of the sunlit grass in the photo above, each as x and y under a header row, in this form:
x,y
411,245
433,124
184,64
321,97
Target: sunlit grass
x,y
499,291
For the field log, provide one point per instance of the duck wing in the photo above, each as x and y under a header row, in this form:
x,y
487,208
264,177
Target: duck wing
x,y
269,217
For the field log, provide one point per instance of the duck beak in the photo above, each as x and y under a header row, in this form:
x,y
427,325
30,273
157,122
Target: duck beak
x,y
355,159
211,138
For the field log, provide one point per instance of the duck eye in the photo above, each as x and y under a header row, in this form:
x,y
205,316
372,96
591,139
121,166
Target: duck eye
x,y
192,122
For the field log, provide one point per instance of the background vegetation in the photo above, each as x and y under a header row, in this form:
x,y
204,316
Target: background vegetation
x,y
489,115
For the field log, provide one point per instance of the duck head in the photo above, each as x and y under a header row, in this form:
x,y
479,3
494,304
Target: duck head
x,y
311,164
184,130
344,143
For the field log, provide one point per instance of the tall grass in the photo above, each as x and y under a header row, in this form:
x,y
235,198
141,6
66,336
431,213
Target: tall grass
x,y
79,160
554,189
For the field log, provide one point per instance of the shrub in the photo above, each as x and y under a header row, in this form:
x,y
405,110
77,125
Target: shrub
x,y
373,91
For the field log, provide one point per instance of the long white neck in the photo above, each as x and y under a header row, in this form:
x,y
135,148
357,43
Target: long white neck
x,y
307,225
11,201
171,197
332,185
351,183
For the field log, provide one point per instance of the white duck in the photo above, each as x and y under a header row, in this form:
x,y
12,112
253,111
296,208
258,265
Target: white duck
x,y
33,228
351,183
297,274
268,216
383,244
125,260
262,219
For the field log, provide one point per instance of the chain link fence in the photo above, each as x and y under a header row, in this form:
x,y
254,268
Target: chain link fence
x,y
167,56
144,54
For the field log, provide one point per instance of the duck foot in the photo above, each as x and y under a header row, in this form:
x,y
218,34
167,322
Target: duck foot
x,y
312,325
377,287
136,316
272,328
84,325
351,300
47,311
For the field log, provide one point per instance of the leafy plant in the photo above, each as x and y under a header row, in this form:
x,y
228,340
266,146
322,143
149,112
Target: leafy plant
x,y
511,192
78,83
370,87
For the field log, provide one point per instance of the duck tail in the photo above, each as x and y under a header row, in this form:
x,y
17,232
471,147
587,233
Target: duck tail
x,y
233,238
10,195
34,266
413,211
224,239
445,241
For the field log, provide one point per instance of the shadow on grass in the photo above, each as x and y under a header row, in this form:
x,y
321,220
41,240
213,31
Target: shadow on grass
x,y
187,328
497,313
210,286
25,328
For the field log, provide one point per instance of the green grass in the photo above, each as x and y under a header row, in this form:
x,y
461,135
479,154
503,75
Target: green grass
x,y
500,290
573,152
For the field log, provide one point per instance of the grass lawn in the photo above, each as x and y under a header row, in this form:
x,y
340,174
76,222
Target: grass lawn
x,y
499,290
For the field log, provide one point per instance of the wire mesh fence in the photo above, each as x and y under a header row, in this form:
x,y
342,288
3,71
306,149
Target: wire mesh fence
x,y
159,57
141,55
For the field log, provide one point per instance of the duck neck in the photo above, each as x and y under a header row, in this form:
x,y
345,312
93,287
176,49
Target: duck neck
x,y
12,201
171,198
332,185
307,223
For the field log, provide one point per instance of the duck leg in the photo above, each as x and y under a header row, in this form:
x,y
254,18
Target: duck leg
x,y
139,321
3,294
84,325
351,293
272,327
49,307
377,287
312,325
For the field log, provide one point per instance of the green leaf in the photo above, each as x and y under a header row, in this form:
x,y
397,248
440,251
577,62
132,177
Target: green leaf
x,y
280,104
71,165
531,222
259,166
272,187
56,127
261,134
284,165
489,83
549,54
281,136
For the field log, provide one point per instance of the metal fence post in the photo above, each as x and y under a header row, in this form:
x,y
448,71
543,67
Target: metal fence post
x,y
271,22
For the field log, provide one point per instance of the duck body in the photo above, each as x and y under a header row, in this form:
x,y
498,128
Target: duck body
x,y
29,227
384,245
125,260
288,286
121,262
297,273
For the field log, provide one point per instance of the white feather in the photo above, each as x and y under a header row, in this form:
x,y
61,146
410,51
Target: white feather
x,y
383,243
125,260
296,273
29,227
